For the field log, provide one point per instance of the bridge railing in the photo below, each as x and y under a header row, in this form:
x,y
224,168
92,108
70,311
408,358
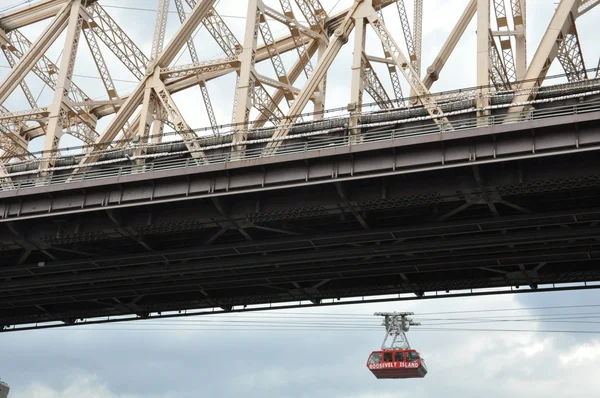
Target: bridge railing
x,y
316,143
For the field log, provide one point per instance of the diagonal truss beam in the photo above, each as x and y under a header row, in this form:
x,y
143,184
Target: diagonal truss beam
x,y
433,72
301,47
570,55
35,52
546,53
408,71
288,19
24,87
293,75
373,85
111,34
11,142
203,89
135,98
36,12
160,28
278,66
418,33
586,6
333,48
497,71
174,115
408,36
79,122
44,69
392,71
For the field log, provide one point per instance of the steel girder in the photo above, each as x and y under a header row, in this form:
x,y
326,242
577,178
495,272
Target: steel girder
x,y
546,233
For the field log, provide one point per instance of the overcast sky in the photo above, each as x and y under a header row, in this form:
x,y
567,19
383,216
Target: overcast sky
x,y
122,361
116,363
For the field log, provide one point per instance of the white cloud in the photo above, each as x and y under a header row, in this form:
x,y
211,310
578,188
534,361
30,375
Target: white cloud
x,y
582,354
77,387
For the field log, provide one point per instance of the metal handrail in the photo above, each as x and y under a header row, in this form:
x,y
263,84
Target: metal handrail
x,y
317,143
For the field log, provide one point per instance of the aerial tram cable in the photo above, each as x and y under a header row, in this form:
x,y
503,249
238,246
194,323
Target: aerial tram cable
x,y
321,330
353,322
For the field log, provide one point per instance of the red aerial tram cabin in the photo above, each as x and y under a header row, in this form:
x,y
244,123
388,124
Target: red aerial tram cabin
x,y
396,360
397,364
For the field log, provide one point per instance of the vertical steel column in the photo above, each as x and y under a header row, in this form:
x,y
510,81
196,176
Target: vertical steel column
x,y
146,119
418,33
483,53
358,67
58,115
320,97
519,9
245,86
158,41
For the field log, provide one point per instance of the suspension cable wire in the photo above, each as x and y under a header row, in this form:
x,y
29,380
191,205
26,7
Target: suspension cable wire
x,y
320,322
369,319
531,318
336,329
421,314
349,322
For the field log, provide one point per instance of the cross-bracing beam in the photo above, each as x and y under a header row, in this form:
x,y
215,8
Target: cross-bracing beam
x,y
195,59
296,33
164,59
433,71
570,55
508,61
392,71
418,33
278,66
412,76
111,34
35,52
359,12
335,44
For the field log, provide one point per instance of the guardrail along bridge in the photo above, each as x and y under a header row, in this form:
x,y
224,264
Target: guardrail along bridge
x,y
113,207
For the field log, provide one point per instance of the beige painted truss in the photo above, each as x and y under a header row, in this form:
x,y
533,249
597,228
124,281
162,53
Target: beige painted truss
x,y
277,78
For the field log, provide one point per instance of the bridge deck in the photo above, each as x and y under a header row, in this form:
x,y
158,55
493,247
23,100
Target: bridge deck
x,y
497,206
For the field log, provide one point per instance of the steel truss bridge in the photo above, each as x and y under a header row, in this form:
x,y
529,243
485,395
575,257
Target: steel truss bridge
x,y
486,190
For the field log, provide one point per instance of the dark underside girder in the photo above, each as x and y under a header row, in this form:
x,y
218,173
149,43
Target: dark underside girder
x,y
527,222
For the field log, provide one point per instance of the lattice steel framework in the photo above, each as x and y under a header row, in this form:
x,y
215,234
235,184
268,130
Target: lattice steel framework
x,y
300,62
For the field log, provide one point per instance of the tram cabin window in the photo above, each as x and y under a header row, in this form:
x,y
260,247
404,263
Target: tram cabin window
x,y
413,357
375,358
399,357
387,357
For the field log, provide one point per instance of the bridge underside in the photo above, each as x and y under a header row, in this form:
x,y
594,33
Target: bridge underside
x,y
478,221
400,234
